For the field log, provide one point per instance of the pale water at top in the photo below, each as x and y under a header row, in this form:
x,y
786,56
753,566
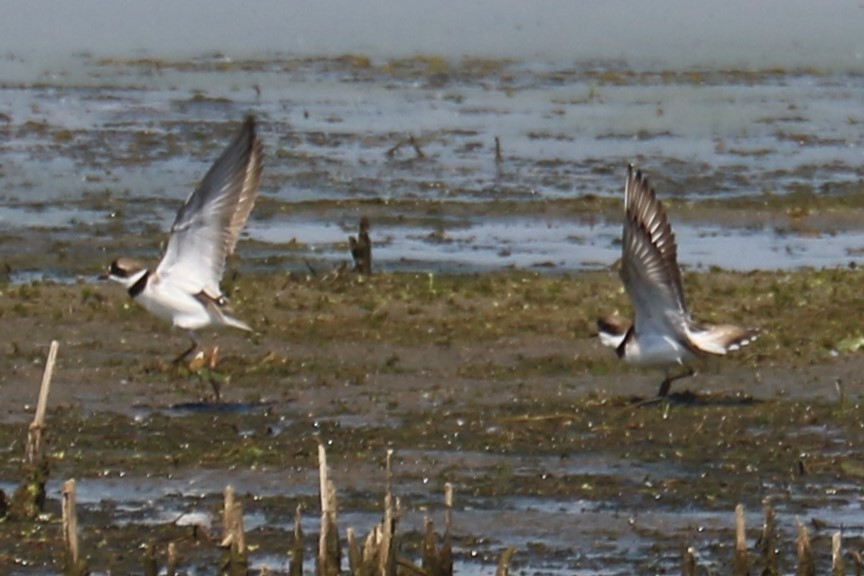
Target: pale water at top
x,y
119,107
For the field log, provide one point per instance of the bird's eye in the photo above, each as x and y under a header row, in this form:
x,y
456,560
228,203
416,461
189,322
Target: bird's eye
x,y
117,270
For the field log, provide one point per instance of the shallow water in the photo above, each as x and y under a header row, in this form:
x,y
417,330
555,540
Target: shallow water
x,y
119,151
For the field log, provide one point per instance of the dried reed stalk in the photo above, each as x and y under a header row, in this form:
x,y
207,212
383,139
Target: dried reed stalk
x,y
329,550
769,540
741,565
35,453
837,567
295,567
74,565
806,563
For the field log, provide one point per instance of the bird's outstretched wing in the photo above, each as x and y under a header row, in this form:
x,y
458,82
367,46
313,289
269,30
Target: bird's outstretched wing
x,y
209,223
649,262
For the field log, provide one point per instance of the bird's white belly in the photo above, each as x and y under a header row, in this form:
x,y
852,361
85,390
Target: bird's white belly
x,y
656,350
176,306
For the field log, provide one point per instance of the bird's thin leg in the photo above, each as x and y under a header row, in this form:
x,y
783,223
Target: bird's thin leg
x,y
667,382
213,379
192,347
664,386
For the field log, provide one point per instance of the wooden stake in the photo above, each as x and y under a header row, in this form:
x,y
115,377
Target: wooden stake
x,y
741,566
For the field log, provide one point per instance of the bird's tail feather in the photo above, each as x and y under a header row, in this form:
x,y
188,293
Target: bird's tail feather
x,y
722,338
235,323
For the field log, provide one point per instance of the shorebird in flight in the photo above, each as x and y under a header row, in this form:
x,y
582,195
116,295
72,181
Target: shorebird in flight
x,y
662,333
184,287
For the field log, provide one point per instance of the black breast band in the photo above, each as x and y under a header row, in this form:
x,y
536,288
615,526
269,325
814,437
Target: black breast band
x,y
623,346
139,285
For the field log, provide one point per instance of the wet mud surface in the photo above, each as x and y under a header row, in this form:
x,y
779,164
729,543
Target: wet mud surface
x,y
493,382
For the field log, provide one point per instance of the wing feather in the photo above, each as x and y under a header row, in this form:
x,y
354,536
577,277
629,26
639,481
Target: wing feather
x,y
722,338
209,223
649,260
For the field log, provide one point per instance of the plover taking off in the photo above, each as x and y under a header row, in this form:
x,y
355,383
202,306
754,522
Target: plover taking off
x,y
184,287
662,333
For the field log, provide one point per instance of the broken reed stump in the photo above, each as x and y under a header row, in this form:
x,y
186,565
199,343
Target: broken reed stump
x,y
806,565
355,556
361,248
329,561
151,566
504,562
688,562
837,567
29,499
439,561
171,569
387,547
447,550
806,562
768,541
295,567
151,562
378,555
741,565
74,565
235,561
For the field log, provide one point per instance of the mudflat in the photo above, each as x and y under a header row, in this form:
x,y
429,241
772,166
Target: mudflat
x,y
494,382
